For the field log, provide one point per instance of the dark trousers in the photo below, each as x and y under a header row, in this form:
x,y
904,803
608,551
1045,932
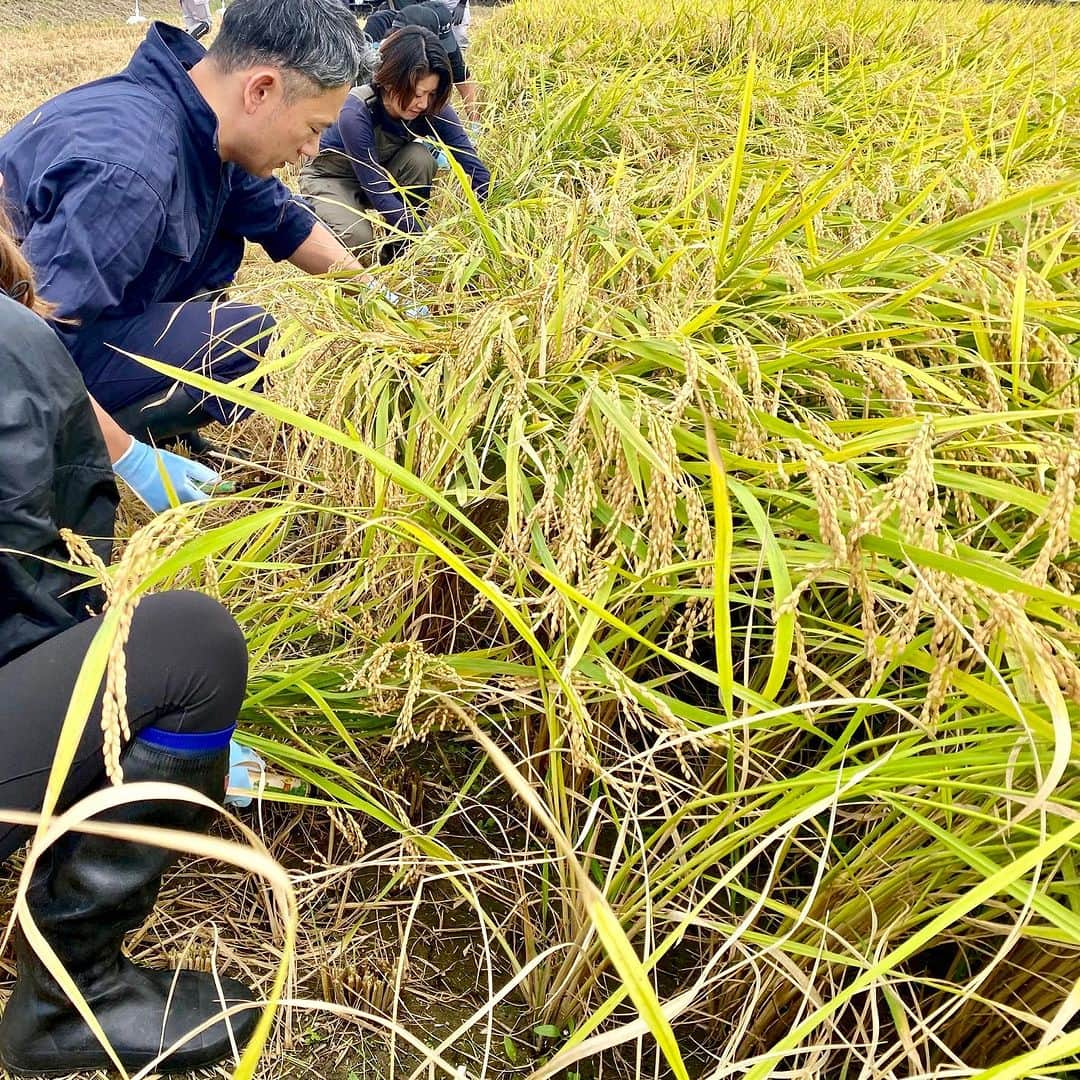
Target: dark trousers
x,y
220,340
186,672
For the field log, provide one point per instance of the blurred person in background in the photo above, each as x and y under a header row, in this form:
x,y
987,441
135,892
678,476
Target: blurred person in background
x,y
460,17
196,17
438,18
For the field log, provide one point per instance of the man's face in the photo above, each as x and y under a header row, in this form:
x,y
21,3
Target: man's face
x,y
278,127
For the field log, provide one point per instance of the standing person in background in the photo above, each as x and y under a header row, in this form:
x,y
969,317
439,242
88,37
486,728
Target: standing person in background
x,y
435,16
186,673
460,18
377,26
197,17
372,159
133,197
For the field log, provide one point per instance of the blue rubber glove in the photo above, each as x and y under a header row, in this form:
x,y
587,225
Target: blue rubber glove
x,y
141,468
395,300
437,153
242,762
473,128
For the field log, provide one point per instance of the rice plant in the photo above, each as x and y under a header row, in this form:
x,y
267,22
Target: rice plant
x,y
707,558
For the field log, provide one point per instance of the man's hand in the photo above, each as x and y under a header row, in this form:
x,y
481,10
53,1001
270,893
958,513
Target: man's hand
x,y
469,92
146,470
322,253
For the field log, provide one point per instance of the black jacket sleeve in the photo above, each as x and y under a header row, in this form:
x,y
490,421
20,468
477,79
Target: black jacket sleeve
x,y
54,473
458,71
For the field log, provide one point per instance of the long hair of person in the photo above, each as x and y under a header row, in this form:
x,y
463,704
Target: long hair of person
x,y
16,277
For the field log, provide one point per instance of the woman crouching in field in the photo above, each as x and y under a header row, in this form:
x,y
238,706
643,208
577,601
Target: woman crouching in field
x,y
186,664
373,159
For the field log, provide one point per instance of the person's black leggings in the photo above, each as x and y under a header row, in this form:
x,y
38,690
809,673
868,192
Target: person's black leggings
x,y
186,672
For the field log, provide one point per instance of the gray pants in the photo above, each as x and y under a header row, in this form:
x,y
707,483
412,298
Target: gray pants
x,y
330,185
461,29
194,12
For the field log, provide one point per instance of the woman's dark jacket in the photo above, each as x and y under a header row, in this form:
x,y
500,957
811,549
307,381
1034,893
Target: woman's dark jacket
x,y
54,473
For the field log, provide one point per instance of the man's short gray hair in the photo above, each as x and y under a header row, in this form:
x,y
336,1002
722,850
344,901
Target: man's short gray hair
x,y
317,39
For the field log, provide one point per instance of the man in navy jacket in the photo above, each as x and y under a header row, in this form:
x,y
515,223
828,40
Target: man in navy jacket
x,y
133,197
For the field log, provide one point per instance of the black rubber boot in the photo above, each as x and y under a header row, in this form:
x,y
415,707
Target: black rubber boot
x,y
167,419
87,892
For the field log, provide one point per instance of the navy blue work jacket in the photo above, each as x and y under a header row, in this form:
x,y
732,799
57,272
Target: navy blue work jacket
x,y
120,197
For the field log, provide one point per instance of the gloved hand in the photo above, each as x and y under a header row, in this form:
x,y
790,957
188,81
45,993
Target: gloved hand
x,y
473,129
437,152
243,762
139,468
395,300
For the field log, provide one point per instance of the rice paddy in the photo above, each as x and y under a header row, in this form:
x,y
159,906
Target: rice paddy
x,y
677,632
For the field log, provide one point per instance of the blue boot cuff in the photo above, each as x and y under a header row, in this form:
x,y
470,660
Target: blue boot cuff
x,y
195,742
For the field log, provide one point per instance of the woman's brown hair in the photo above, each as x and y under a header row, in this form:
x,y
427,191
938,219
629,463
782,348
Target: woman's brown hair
x,y
16,277
408,55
